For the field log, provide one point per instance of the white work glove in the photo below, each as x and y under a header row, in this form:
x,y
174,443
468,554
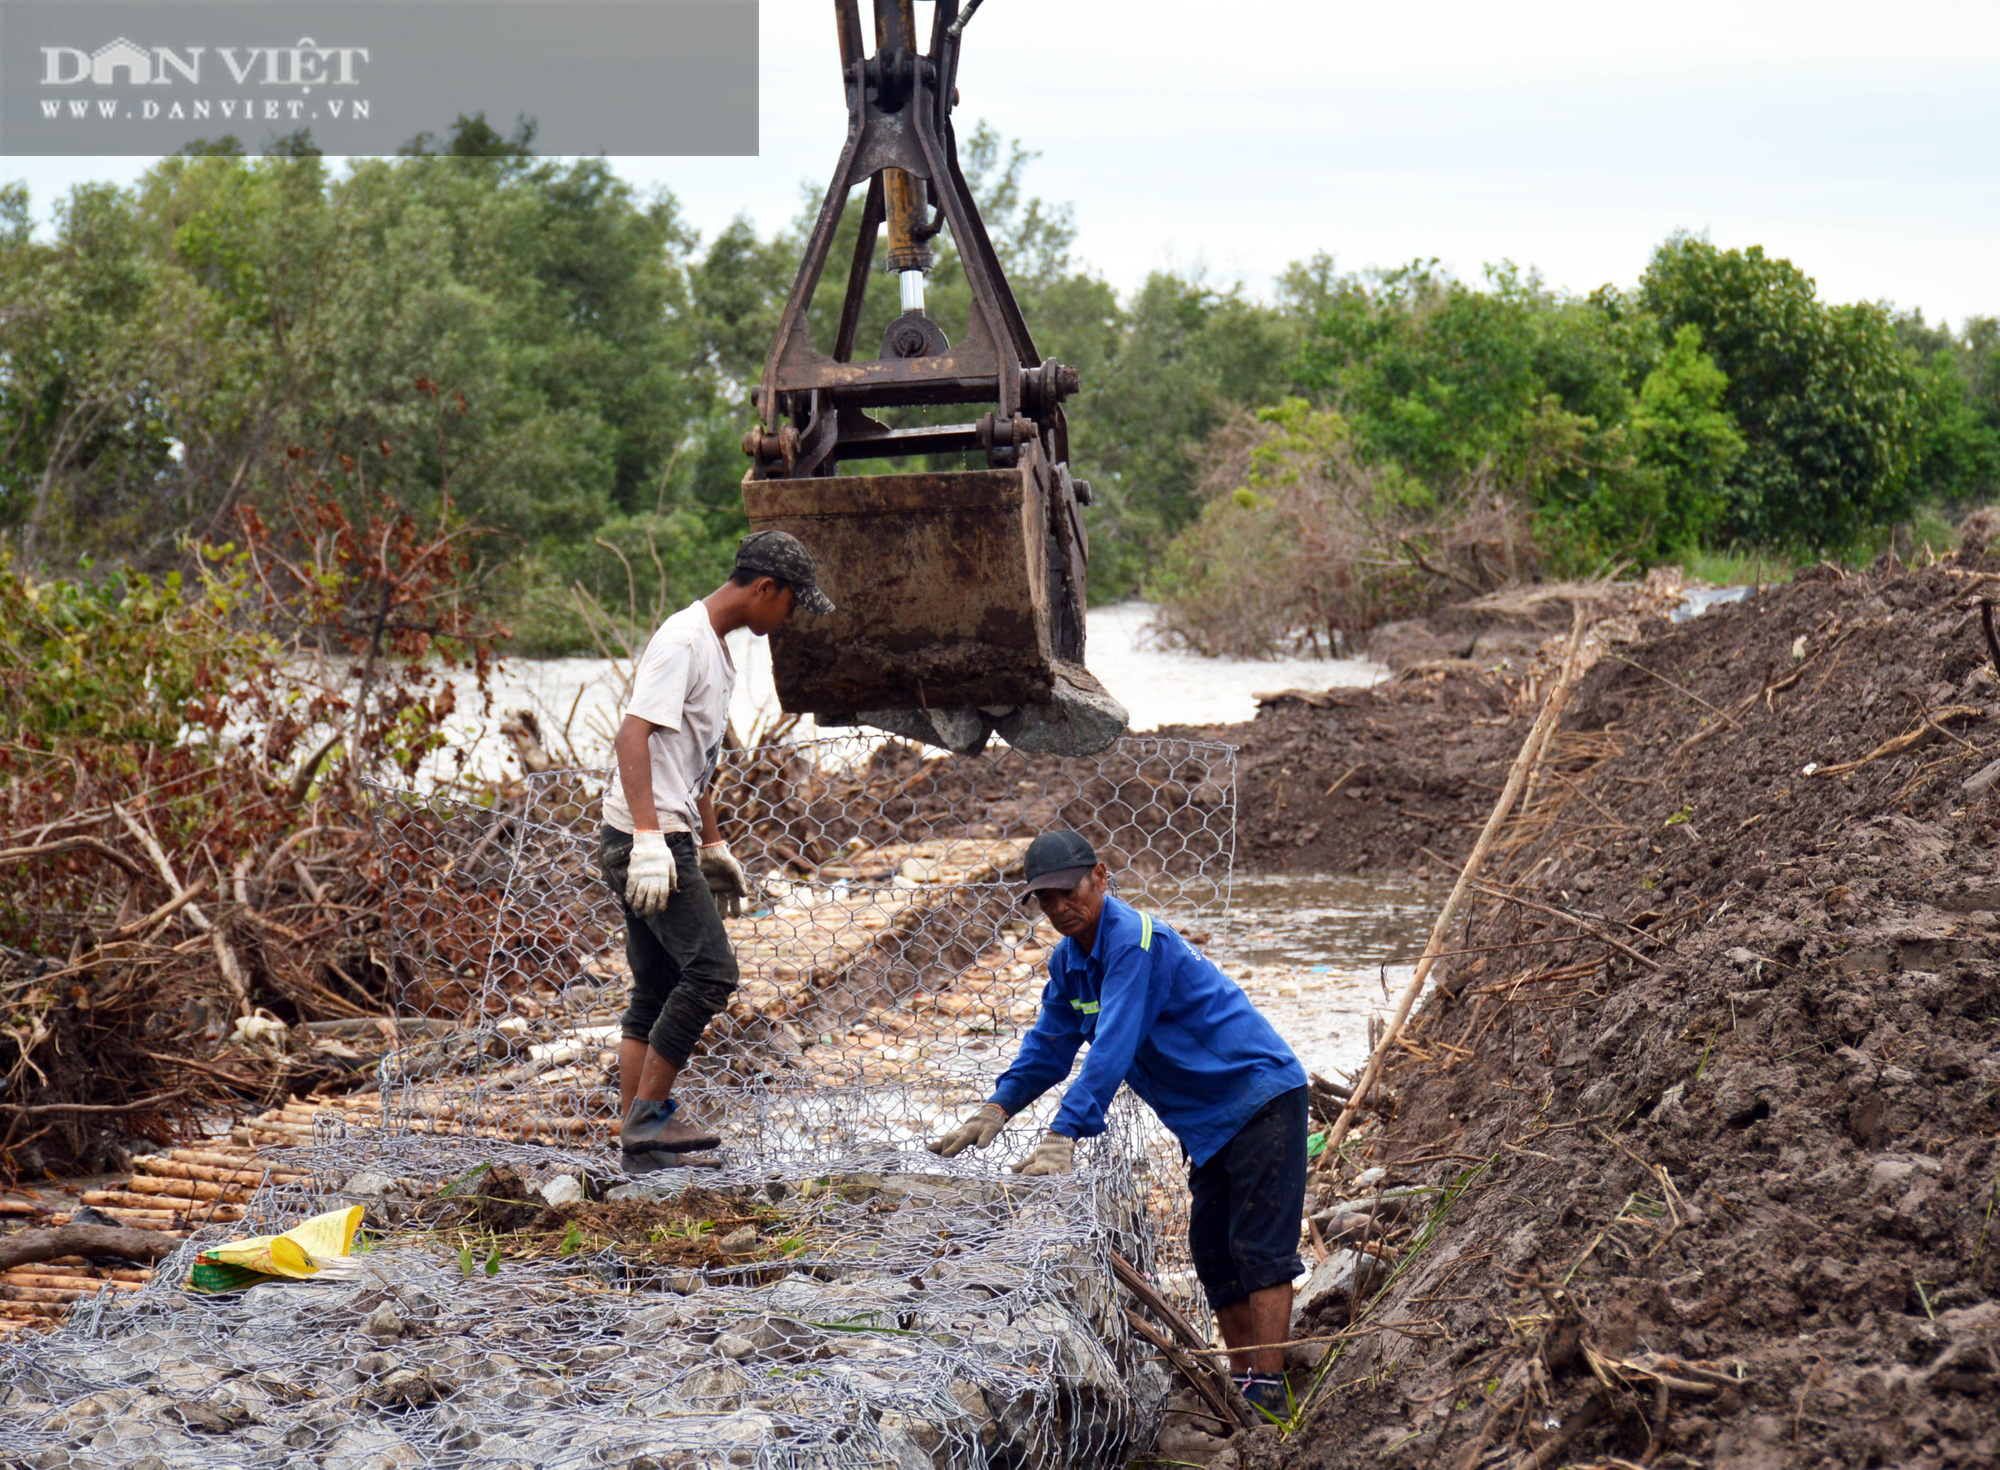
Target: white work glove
x,y
651,876
1055,1154
975,1132
726,878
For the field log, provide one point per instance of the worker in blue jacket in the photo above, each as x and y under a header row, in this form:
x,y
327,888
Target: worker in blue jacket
x,y
1166,1021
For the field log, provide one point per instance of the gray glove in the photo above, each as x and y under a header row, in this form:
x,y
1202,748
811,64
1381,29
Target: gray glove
x,y
1055,1154
975,1132
726,879
651,875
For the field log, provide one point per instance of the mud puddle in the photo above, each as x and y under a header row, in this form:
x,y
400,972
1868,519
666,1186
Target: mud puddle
x,y
1319,955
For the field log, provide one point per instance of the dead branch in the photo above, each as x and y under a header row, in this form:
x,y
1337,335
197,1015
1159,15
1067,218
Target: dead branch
x,y
25,1246
1909,740
102,849
1530,755
40,1110
1589,927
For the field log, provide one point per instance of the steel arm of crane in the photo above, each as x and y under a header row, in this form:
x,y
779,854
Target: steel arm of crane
x,y
899,105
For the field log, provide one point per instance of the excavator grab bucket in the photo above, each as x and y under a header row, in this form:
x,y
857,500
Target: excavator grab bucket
x,y
958,593
939,596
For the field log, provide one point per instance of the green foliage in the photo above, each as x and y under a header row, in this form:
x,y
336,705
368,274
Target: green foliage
x,y
171,339
1301,542
1831,409
1671,491
1734,566
130,658
1436,376
583,365
1182,353
1958,455
1542,396
1687,439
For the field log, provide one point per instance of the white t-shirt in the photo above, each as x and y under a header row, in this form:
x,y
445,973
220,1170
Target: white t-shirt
x,y
683,686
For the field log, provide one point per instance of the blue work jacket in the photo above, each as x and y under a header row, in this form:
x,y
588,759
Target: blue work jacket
x,y
1160,1017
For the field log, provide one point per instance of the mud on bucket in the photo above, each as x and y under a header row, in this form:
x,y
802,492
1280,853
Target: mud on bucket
x,y
942,629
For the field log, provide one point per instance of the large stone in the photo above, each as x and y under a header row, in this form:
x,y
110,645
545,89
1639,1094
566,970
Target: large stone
x,y
740,1434
366,1447
1335,1284
1892,1173
563,1189
670,1319
962,731
717,1386
1082,717
457,1429
913,1443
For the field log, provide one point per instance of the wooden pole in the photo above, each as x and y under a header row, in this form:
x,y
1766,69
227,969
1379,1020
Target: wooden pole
x,y
27,1246
1517,777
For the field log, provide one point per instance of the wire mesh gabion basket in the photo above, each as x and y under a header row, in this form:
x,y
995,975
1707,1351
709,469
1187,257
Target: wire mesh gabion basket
x,y
887,1307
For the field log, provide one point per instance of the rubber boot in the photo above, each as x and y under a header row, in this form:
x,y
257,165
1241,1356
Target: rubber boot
x,y
647,1160
663,1127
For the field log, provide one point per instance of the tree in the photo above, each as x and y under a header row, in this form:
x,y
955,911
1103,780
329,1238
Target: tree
x,y
89,321
1534,393
1829,406
1672,492
1185,353
1958,451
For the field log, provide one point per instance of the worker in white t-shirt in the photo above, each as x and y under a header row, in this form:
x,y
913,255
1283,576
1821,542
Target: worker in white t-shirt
x,y
656,808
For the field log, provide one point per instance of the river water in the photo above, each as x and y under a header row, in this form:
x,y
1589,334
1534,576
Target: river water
x,y
1320,955
1314,953
576,700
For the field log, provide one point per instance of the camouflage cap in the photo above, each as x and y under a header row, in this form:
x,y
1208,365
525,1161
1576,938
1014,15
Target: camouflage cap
x,y
782,555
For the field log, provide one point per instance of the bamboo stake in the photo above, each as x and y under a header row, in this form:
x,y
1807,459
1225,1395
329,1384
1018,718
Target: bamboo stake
x,y
161,1222
207,1173
1517,777
246,1162
34,1311
11,1293
192,1190
120,1202
72,1280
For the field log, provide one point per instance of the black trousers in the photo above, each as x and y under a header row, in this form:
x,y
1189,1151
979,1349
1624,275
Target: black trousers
x,y
1243,1219
682,967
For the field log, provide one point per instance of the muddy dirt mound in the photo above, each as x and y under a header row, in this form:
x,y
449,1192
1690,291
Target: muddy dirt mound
x,y
1397,779
1708,1092
1361,781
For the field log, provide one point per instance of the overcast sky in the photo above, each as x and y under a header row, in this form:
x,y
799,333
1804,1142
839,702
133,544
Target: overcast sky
x,y
1856,139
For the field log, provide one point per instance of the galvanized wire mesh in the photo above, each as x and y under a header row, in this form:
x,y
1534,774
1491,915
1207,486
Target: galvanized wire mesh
x,y
884,944
887,1308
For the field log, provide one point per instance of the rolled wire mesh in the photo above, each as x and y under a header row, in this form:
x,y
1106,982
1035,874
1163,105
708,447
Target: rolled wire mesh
x,y
891,1309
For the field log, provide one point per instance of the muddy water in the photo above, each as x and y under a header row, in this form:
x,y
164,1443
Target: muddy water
x,y
576,700
1320,955
1313,953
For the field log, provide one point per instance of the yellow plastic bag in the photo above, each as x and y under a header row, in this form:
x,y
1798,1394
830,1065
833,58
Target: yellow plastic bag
x,y
297,1254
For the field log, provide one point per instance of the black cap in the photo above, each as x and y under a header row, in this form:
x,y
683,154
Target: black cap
x,y
1058,859
782,555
